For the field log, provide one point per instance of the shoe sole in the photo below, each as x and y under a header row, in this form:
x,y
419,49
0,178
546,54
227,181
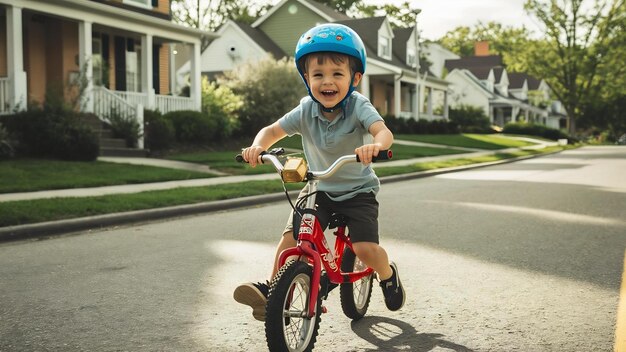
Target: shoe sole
x,y
250,296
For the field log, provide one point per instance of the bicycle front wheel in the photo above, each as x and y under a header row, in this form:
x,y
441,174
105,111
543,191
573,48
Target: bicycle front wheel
x,y
355,297
287,327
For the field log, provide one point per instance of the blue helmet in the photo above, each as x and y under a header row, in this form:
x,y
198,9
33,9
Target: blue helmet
x,y
331,37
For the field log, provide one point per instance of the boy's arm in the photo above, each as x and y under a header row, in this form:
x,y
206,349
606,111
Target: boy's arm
x,y
266,137
383,139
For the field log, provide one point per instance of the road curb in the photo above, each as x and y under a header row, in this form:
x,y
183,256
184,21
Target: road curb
x,y
91,223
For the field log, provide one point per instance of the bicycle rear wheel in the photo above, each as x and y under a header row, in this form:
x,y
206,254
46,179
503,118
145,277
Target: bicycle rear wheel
x,y
286,326
355,297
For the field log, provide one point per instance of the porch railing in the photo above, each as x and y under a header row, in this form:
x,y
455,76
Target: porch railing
x,y
5,104
167,103
163,103
107,103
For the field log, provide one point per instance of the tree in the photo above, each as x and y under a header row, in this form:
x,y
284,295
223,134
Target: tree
x,y
403,16
339,5
209,15
582,56
268,89
509,42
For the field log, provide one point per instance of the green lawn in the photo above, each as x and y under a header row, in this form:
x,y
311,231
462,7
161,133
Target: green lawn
x,y
224,160
28,175
478,141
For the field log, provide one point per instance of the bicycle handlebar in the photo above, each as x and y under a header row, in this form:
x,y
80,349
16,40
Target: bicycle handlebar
x,y
320,175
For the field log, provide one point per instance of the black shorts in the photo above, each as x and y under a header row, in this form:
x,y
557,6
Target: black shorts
x,y
361,213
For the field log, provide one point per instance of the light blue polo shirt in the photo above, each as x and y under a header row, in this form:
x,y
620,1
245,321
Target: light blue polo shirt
x,y
325,141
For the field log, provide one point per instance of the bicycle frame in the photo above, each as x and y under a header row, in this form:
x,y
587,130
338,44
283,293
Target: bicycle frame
x,y
312,245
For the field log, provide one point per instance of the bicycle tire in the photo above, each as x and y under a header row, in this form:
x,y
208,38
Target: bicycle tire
x,y
355,297
291,332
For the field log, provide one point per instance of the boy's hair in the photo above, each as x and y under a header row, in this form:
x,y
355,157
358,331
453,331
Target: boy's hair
x,y
336,58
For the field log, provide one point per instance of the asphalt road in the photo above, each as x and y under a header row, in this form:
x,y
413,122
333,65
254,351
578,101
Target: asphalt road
x,y
525,256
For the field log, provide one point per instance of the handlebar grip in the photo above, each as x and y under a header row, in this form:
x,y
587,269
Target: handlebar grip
x,y
382,155
239,158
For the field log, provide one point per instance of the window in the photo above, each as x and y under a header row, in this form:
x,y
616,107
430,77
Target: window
x,y
384,47
410,57
141,3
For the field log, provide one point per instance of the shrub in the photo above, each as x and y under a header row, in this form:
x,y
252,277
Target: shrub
x,y
159,131
126,128
268,88
470,119
192,126
412,126
534,130
221,105
52,132
6,144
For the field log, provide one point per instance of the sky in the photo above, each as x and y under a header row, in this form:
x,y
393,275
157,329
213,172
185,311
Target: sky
x,y
440,16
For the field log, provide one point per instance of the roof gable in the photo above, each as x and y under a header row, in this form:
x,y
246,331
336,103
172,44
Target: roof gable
x,y
262,40
326,13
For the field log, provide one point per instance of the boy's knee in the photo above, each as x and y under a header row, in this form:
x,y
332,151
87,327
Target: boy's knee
x,y
366,250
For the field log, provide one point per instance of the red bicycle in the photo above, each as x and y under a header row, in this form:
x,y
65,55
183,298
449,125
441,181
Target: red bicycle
x,y
294,303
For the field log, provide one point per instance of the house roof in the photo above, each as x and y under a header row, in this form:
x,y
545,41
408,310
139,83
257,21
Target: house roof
x,y
368,31
401,37
475,61
516,80
330,12
326,12
262,40
481,73
533,83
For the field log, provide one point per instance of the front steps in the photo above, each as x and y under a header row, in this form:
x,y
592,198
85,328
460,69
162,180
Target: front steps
x,y
110,146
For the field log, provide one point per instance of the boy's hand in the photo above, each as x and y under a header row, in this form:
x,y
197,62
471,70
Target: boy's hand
x,y
366,152
251,154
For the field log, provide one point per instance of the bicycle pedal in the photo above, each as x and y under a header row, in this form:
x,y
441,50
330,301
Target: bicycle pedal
x,y
324,309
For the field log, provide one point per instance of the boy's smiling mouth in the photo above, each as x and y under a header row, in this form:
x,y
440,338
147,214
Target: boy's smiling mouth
x,y
329,93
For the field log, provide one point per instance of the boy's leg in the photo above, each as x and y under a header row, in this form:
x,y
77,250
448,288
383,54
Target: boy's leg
x,y
376,258
255,294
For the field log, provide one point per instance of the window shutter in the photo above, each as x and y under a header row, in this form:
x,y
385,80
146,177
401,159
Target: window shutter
x,y
155,3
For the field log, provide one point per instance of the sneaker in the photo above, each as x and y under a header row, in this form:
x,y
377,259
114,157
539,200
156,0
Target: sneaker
x,y
255,296
393,290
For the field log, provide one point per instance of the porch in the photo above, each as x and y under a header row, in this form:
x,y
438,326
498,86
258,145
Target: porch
x,y
404,95
106,58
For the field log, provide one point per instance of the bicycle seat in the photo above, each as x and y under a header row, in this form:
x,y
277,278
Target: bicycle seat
x,y
336,220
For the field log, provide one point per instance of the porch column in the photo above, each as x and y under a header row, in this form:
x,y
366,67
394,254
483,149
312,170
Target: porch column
x,y
147,81
430,103
446,107
85,64
196,76
514,112
365,86
397,95
418,83
15,59
416,99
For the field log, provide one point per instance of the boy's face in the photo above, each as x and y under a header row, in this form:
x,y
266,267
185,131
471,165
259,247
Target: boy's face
x,y
329,81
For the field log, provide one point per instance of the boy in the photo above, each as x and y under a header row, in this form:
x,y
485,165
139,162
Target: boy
x,y
333,120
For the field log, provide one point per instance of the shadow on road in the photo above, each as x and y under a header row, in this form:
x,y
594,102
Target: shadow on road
x,y
395,335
